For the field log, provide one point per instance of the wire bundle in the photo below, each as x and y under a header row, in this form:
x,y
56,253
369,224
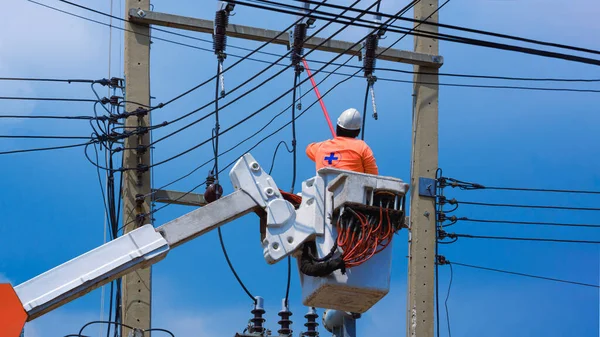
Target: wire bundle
x,y
361,236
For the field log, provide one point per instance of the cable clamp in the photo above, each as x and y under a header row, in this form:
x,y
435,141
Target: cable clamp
x,y
103,82
116,82
141,168
141,149
139,199
104,100
114,100
441,260
140,112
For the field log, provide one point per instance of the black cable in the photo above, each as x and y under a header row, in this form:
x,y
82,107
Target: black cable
x,y
528,206
540,190
31,79
48,117
56,99
217,126
275,153
378,5
294,147
44,137
362,136
231,267
469,30
468,236
540,223
322,62
160,330
45,148
465,185
440,36
446,301
103,322
526,275
483,86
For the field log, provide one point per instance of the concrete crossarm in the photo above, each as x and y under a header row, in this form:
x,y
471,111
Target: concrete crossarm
x,y
264,35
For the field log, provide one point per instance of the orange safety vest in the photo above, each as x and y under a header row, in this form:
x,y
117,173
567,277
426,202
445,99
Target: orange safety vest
x,y
343,153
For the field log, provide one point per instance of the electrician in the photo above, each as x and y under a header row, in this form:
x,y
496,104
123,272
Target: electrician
x,y
344,151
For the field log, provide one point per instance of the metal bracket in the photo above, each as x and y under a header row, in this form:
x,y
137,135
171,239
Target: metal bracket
x,y
427,187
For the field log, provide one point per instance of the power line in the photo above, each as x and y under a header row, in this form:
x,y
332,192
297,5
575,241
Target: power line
x,y
377,69
443,37
43,137
468,236
232,268
48,99
446,301
48,117
315,61
526,275
465,185
527,222
32,79
465,29
45,148
524,206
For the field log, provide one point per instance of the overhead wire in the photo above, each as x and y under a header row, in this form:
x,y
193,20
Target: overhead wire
x,y
45,148
525,206
469,236
513,78
43,137
34,79
539,223
525,275
464,29
55,99
378,69
465,185
48,117
446,301
440,36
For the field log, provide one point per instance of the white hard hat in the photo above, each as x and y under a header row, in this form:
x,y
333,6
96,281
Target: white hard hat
x,y
350,119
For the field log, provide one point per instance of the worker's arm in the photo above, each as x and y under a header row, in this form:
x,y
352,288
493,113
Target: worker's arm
x,y
311,150
369,163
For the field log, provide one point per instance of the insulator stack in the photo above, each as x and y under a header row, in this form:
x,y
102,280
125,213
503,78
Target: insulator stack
x,y
311,323
220,34
369,59
298,45
285,321
258,320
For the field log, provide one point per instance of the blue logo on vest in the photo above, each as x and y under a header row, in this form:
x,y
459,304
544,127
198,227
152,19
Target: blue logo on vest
x,y
332,159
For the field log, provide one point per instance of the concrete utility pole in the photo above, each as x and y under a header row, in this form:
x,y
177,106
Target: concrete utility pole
x,y
136,287
424,163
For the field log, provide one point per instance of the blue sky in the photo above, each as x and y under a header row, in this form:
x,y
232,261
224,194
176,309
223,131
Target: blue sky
x,y
51,202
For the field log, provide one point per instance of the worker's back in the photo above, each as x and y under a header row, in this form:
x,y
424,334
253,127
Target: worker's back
x,y
343,153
